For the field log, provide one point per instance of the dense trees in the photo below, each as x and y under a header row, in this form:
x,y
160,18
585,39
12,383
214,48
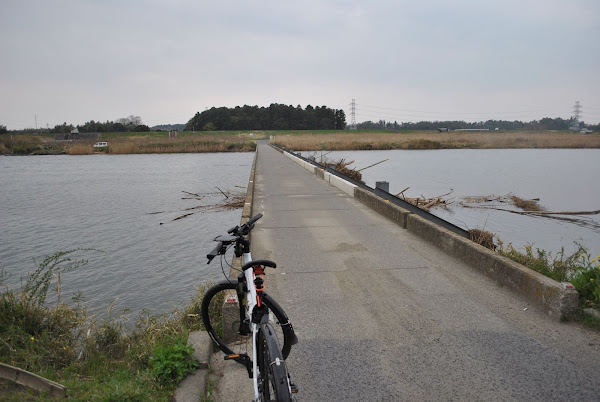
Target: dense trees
x,y
274,117
283,117
543,124
131,123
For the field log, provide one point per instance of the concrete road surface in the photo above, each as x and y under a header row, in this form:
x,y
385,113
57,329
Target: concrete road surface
x,y
382,315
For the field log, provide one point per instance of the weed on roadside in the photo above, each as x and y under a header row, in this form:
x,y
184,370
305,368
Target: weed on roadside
x,y
578,268
95,358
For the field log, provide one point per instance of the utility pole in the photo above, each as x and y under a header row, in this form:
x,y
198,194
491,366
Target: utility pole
x,y
576,114
353,115
35,116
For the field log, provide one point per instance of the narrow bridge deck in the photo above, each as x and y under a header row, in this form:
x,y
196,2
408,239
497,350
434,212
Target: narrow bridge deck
x,y
383,315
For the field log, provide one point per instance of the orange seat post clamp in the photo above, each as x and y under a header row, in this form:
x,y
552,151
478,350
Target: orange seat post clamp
x,y
259,272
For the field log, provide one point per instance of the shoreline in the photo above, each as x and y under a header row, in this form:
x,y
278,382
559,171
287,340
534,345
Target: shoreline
x,y
360,141
212,142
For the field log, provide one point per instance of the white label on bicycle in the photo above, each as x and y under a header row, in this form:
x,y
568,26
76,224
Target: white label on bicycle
x,y
231,298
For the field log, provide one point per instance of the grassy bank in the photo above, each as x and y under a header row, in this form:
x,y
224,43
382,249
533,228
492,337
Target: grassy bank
x,y
149,145
95,358
29,144
244,141
131,143
359,140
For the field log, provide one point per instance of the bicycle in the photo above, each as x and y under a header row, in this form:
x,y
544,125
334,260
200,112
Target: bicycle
x,y
260,320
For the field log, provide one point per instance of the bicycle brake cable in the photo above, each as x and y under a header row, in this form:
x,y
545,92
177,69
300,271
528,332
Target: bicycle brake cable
x,y
224,257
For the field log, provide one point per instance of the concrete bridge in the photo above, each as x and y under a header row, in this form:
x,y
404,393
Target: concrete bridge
x,y
383,314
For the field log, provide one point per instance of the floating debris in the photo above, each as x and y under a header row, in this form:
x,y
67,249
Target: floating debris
x,y
426,203
182,216
342,166
232,200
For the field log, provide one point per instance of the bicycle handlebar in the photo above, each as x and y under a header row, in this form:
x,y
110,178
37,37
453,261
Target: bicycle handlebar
x,y
215,252
236,233
254,219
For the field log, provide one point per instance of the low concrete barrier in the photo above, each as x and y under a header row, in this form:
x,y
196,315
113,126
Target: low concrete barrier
x,y
306,165
383,207
555,298
558,301
31,380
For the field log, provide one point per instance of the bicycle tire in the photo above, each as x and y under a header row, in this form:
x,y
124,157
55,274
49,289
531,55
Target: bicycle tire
x,y
212,311
273,381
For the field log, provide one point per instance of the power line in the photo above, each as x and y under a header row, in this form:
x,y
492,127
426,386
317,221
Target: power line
x,y
398,114
438,112
403,116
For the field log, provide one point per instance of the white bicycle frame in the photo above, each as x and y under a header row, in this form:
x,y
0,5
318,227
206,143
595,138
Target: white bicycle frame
x,y
250,304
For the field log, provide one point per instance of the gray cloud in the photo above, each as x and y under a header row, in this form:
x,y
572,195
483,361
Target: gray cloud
x,y
164,60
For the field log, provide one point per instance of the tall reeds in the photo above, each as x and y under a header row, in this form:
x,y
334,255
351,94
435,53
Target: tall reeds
x,y
154,145
432,140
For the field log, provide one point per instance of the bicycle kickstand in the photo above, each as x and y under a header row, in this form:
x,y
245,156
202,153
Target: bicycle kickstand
x,y
242,358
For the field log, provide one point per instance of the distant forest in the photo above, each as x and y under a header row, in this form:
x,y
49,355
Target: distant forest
x,y
168,127
274,117
130,123
283,117
542,124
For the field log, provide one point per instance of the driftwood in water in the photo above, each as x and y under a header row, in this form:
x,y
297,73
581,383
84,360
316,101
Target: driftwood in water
x,y
342,166
232,200
401,192
375,164
182,216
428,203
535,212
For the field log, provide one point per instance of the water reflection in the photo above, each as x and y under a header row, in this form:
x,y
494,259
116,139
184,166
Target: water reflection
x,y
563,179
116,203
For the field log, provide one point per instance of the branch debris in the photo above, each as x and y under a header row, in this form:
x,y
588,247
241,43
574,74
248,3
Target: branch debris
x,y
213,202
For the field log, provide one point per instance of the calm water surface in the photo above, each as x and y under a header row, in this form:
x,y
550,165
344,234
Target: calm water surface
x,y
116,203
563,179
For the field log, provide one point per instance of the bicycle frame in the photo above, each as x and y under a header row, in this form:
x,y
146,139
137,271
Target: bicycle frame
x,y
254,316
250,304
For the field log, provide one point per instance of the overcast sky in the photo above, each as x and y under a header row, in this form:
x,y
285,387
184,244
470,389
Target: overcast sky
x,y
79,60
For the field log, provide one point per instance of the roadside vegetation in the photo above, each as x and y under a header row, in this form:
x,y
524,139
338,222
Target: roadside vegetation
x,y
300,140
578,268
130,143
95,358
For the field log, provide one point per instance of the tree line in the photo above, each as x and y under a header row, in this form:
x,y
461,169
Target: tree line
x,y
546,123
274,117
283,117
126,124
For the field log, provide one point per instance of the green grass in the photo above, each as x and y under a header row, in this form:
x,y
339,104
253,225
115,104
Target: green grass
x,y
95,358
579,268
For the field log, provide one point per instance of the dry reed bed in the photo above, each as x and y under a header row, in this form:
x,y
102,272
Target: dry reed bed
x,y
146,145
434,140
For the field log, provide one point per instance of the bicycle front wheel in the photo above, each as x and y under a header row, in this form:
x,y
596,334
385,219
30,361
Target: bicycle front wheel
x,y
221,319
273,380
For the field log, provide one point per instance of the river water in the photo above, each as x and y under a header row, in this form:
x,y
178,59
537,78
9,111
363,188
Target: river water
x,y
116,203
563,180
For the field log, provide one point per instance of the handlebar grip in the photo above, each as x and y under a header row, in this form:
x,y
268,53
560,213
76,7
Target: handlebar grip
x,y
215,252
254,219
